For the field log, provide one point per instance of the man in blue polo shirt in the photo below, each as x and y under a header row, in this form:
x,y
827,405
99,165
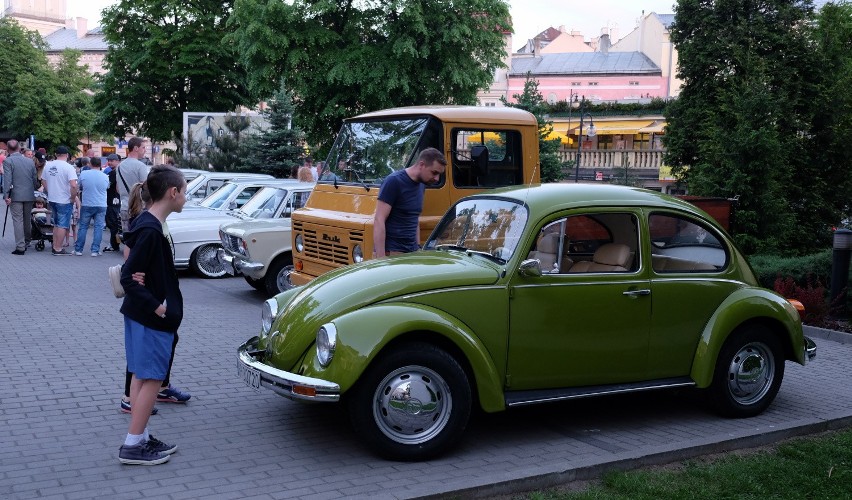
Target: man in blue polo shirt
x,y
396,223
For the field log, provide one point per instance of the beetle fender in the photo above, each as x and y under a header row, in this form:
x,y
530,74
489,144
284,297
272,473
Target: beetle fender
x,y
363,333
741,306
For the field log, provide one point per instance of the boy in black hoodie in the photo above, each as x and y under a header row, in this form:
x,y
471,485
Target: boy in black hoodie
x,y
152,312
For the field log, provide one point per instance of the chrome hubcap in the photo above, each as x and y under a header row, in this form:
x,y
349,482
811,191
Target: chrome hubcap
x,y
283,279
208,262
412,405
751,373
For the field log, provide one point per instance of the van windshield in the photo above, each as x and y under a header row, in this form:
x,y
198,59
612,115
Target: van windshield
x,y
367,152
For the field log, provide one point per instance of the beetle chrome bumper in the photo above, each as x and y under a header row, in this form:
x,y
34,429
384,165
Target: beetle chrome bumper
x,y
256,374
810,349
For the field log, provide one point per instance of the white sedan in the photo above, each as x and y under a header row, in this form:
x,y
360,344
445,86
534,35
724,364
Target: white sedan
x,y
195,237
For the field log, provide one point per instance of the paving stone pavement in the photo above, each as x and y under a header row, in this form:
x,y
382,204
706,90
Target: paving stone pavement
x,y
61,376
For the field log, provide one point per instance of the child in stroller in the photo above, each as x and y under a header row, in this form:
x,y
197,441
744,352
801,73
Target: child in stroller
x,y
42,222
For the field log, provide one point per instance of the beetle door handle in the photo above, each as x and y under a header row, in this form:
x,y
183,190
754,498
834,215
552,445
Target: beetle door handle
x,y
634,293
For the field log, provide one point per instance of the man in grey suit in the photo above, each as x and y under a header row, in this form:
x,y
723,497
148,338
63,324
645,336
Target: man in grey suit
x,y
19,181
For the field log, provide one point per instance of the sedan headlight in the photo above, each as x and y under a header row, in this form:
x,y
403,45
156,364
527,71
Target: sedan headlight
x,y
357,254
300,243
326,344
267,316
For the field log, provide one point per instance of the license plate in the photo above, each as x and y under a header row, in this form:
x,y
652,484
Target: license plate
x,y
249,375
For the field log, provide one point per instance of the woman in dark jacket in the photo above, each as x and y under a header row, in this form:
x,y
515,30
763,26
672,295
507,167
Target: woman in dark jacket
x,y
152,312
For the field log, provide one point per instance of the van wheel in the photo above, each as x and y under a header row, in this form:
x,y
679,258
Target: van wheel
x,y
748,372
277,277
205,263
412,403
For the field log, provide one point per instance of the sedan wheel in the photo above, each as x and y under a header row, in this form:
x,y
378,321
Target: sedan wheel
x,y
748,373
412,403
277,278
205,263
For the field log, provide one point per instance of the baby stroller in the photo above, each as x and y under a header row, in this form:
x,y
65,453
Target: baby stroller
x,y
42,223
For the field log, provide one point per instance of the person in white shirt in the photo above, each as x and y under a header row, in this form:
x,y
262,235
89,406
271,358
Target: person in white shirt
x,y
59,179
93,185
129,172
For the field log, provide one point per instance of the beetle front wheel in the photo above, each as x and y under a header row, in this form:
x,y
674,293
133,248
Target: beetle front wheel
x,y
748,372
412,403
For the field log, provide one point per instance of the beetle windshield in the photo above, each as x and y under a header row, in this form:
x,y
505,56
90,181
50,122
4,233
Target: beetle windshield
x,y
264,204
488,225
364,153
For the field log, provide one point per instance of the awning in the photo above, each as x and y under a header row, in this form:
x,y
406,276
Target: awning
x,y
612,127
564,138
658,127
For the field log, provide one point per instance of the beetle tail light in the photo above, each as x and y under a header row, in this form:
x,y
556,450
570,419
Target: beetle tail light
x,y
797,305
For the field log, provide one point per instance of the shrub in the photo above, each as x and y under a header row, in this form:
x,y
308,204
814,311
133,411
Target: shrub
x,y
814,267
813,296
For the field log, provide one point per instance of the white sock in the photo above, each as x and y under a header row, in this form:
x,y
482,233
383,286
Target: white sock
x,y
133,439
145,435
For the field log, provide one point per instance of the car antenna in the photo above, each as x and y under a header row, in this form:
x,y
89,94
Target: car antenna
x,y
529,184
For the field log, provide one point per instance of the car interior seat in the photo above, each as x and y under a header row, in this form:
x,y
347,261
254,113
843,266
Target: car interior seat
x,y
609,257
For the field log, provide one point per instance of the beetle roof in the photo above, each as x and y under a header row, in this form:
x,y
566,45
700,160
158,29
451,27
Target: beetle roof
x,y
560,196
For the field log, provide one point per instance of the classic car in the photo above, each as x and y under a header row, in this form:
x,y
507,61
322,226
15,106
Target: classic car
x,y
207,182
525,296
260,250
195,234
230,196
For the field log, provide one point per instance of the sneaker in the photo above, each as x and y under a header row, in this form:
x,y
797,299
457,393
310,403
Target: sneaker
x,y
161,447
60,252
109,249
18,252
173,395
94,254
141,454
77,253
125,408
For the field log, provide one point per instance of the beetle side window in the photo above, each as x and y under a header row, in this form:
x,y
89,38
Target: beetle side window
x,y
590,243
680,244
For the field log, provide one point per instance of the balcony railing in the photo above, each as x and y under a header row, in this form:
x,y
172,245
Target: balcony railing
x,y
615,158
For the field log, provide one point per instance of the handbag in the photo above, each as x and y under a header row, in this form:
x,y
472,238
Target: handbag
x,y
115,281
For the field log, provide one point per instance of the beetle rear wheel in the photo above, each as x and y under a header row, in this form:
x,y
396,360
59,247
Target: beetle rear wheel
x,y
205,262
412,403
748,372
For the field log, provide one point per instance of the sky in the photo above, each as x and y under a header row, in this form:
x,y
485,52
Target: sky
x,y
530,17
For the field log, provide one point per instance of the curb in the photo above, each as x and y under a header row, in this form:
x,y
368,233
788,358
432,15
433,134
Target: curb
x,y
825,334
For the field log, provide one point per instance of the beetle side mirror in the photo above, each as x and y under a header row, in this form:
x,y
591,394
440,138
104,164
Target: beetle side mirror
x,y
531,268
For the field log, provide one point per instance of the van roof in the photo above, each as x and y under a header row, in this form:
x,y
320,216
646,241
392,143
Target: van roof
x,y
462,114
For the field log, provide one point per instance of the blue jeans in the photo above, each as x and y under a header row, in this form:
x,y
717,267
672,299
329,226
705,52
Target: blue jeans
x,y
97,215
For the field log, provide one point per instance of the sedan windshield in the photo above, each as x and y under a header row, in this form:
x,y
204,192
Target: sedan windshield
x,y
218,197
264,204
484,225
367,152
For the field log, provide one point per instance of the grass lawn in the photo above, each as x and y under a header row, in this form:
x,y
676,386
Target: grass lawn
x,y
817,467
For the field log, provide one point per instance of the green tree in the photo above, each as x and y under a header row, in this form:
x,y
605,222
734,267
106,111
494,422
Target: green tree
x,y
736,128
344,58
22,53
54,104
531,100
279,148
166,57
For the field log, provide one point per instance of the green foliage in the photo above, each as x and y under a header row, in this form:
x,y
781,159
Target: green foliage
x,y
815,266
531,100
656,106
624,175
764,113
22,53
166,57
345,58
55,105
817,467
277,149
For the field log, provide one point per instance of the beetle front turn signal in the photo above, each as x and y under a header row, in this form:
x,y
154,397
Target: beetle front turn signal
x,y
797,305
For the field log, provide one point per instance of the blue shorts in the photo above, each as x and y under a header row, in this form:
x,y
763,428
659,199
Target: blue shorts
x,y
148,351
61,214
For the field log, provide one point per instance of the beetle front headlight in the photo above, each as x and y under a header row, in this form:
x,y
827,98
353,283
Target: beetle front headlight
x,y
357,254
326,344
300,243
268,314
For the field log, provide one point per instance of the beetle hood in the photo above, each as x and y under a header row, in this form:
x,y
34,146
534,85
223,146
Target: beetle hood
x,y
358,286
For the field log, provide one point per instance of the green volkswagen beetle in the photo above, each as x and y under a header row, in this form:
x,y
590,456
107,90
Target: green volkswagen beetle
x,y
530,295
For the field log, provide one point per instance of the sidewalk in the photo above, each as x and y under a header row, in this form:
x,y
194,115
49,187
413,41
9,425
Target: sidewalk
x,y
62,371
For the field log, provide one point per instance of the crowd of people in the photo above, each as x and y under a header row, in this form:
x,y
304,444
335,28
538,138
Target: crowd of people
x,y
132,201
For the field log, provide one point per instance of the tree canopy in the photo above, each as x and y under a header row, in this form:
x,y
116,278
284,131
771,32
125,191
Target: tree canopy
x,y
343,58
757,91
166,57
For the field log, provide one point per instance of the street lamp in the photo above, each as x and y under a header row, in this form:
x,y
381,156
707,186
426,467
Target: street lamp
x,y
591,133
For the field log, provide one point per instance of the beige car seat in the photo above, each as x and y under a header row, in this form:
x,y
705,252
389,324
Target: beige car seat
x,y
608,258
